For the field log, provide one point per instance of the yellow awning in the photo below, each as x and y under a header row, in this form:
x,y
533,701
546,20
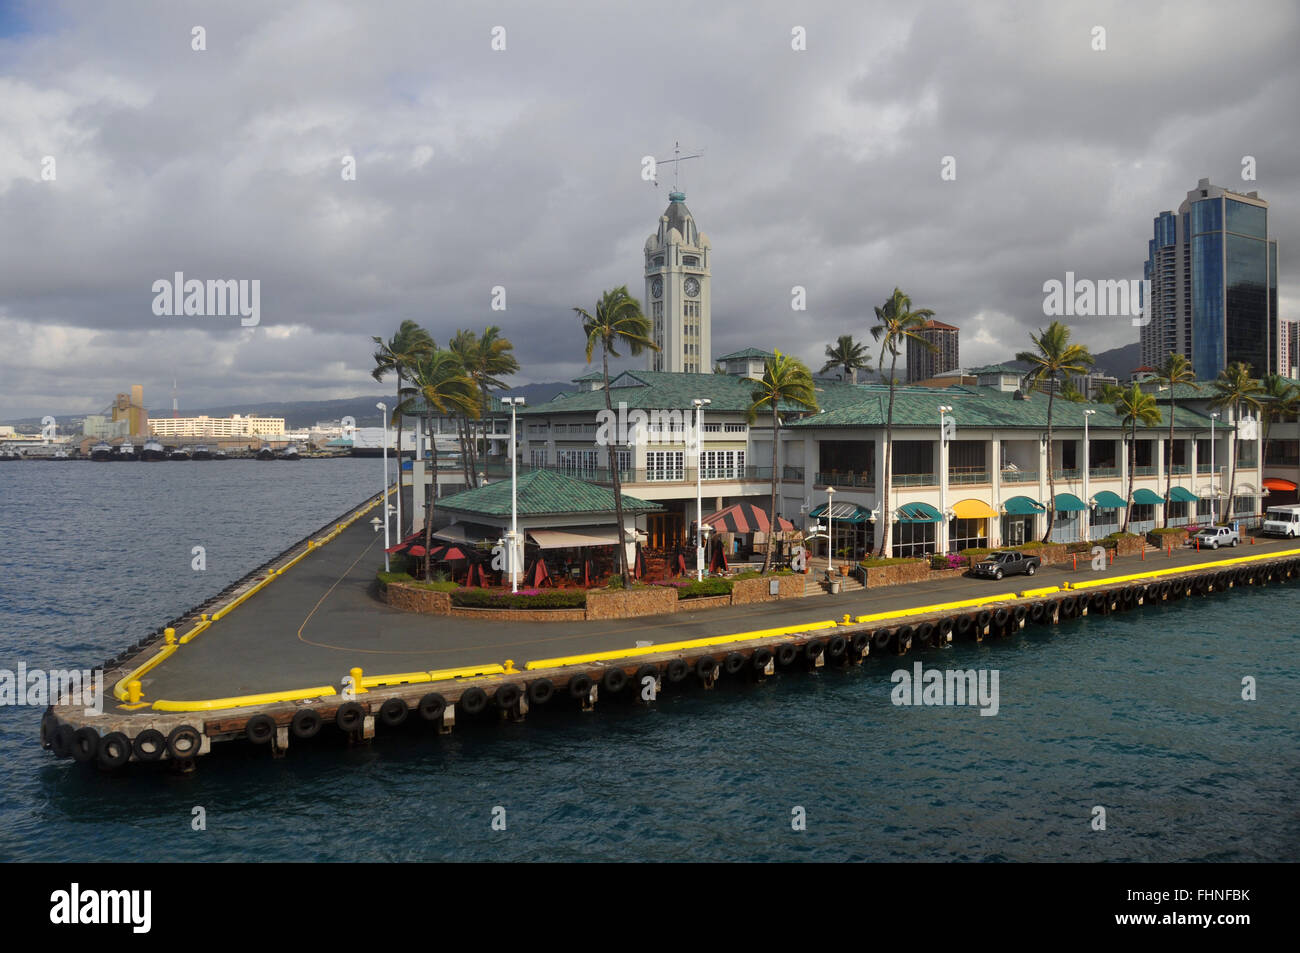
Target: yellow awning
x,y
973,510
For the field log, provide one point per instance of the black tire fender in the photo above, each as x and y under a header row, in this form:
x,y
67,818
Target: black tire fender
x,y
786,654
149,745
85,744
61,741
1001,616
1019,613
306,724
350,716
507,696
540,691
432,706
965,624
813,649
945,628
114,750
580,686
677,670
393,712
761,658
184,742
614,680
473,700
259,729
982,618
706,666
881,638
1036,612
733,663
836,646
903,638
644,672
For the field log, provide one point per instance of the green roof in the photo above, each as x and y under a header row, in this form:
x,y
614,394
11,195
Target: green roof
x,y
589,376
543,493
999,369
866,405
667,390
1110,501
743,353
1144,496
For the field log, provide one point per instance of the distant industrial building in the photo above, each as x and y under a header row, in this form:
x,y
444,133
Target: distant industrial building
x,y
922,363
128,411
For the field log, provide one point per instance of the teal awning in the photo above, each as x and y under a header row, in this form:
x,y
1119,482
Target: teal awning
x,y
1145,496
918,513
1110,501
843,513
1069,503
1180,495
1022,506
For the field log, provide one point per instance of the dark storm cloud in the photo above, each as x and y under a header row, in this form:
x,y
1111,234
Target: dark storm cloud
x,y
521,169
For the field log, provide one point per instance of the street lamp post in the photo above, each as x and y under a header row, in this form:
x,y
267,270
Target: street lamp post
x,y
830,526
1214,474
513,561
942,542
383,500
699,487
1087,530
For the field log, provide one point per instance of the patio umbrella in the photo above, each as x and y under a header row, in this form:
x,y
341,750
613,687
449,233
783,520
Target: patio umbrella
x,y
586,571
416,550
679,565
638,566
746,518
718,558
536,574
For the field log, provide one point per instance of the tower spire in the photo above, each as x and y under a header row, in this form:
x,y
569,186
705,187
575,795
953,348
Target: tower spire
x,y
676,160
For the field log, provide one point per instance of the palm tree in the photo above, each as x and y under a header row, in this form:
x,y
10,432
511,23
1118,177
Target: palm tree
x,y
398,354
464,344
786,380
1134,406
1176,369
493,358
618,321
440,384
898,323
848,354
1283,401
1055,358
1234,389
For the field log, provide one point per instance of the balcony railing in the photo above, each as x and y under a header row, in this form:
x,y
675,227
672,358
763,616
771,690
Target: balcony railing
x,y
654,474
914,479
1181,468
847,479
1146,471
1069,474
1019,476
967,475
1203,468
1102,472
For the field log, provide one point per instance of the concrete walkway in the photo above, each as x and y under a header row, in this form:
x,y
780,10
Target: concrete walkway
x,y
321,618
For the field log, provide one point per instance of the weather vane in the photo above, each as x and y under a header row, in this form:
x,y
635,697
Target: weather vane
x,y
677,157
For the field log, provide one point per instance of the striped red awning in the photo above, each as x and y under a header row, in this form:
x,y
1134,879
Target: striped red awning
x,y
1274,485
745,518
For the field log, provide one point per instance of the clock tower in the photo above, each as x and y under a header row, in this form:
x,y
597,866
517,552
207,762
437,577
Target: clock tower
x,y
677,292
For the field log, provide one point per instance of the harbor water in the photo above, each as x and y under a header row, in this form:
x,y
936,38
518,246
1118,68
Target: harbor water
x,y
1140,714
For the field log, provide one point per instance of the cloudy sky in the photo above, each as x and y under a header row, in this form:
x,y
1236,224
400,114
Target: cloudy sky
x,y
479,167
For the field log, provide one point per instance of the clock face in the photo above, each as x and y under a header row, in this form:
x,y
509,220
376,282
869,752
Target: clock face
x,y
691,287
657,287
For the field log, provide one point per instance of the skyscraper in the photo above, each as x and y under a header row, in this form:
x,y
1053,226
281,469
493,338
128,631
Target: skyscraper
x,y
922,363
1213,274
677,291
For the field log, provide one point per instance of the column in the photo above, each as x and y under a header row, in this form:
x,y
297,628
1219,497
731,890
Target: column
x,y
995,480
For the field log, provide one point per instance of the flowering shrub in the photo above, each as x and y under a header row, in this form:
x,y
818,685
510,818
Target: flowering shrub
x,y
950,561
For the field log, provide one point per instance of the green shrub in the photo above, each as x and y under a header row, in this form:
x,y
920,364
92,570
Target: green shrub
x,y
976,551
386,577
704,587
1113,538
489,599
438,585
1035,545
1167,530
890,561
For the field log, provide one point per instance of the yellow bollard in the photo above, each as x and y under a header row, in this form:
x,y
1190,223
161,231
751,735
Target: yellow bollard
x,y
133,692
169,636
356,681
311,543
847,619
203,617
510,666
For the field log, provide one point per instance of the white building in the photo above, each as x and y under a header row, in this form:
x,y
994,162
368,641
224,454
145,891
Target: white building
x,y
678,292
205,426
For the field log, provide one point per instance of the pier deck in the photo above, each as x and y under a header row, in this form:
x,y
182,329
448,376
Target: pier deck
x,y
321,617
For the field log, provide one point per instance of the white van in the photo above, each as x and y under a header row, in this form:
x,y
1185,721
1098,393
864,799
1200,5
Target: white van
x,y
1282,521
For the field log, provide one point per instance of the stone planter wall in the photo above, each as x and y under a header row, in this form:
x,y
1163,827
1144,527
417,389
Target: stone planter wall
x,y
898,573
747,591
702,602
1164,540
625,603
414,599
521,615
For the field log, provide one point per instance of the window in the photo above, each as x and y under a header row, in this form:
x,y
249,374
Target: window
x,y
582,464
734,428
1142,513
1205,510
664,465
538,458
722,464
967,534
913,539
691,261
1243,506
